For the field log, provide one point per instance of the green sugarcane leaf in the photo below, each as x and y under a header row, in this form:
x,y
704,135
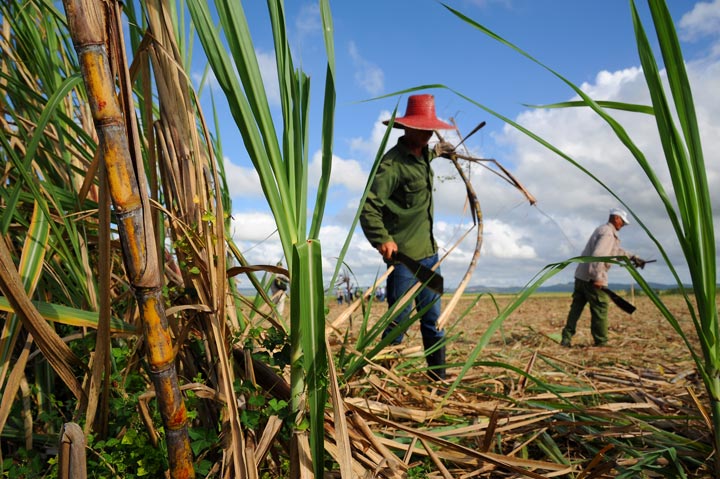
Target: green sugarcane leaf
x,y
617,128
327,148
368,184
685,108
29,268
691,191
693,220
619,131
241,110
608,105
328,121
53,103
36,242
307,338
72,316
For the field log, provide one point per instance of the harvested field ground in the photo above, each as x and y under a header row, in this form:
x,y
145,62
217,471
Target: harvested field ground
x,y
643,340
645,371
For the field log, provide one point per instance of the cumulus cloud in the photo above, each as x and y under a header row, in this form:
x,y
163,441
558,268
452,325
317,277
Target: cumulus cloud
x,y
581,203
308,21
518,239
253,226
206,79
255,233
702,20
243,182
507,241
367,147
348,174
367,75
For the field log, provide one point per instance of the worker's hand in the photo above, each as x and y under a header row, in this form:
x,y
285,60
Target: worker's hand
x,y
638,262
444,148
598,285
387,250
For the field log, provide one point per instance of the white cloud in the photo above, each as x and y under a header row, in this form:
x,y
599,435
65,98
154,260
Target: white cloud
x,y
367,75
506,241
346,173
363,260
253,226
207,79
255,234
518,239
242,182
368,147
308,21
702,20
581,204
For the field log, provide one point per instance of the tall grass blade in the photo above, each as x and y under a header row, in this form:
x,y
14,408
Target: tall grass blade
x,y
328,121
692,220
23,167
309,359
54,349
282,165
700,244
30,267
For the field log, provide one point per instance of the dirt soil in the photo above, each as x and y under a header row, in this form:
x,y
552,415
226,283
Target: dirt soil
x,y
646,367
644,340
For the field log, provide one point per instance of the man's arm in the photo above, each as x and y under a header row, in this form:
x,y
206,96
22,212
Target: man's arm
x,y
371,217
636,260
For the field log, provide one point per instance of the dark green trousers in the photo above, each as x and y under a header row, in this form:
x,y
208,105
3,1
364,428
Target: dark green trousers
x,y
586,293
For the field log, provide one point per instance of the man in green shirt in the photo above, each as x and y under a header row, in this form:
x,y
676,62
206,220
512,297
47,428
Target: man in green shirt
x,y
398,216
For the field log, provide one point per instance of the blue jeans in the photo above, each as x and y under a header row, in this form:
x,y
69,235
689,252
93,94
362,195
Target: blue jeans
x,y
398,283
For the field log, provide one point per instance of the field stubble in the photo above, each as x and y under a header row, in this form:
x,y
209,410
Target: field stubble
x,y
646,368
643,340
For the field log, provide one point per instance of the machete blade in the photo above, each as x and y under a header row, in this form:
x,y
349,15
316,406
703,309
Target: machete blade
x,y
621,303
425,275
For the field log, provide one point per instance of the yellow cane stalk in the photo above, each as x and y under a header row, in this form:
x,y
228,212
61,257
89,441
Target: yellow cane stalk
x,y
86,22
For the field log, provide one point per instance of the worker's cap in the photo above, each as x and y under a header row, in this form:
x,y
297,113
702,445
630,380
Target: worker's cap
x,y
420,115
621,213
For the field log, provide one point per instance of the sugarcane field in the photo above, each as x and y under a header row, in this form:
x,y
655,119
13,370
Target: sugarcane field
x,y
527,392
472,239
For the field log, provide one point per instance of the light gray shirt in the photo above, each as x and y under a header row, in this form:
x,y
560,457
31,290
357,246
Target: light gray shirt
x,y
603,242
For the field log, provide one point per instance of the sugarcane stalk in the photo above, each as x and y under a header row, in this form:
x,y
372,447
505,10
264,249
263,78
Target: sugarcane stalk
x,y
477,215
478,220
86,22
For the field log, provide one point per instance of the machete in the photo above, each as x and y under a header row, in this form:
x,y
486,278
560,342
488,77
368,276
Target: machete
x,y
620,301
425,275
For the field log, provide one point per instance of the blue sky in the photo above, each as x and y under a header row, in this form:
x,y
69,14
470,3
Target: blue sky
x,y
385,46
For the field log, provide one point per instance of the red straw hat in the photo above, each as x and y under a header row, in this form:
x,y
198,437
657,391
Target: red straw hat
x,y
420,115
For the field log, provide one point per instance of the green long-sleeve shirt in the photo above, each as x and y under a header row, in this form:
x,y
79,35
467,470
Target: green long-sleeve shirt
x,y
399,205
